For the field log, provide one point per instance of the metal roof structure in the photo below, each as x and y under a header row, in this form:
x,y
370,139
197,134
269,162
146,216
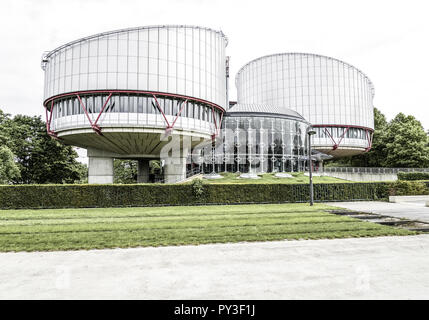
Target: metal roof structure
x,y
263,109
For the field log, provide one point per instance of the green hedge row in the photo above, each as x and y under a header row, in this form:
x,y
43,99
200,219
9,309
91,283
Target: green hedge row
x,y
87,196
406,188
412,176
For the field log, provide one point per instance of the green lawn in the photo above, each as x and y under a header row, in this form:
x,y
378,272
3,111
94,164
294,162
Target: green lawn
x,y
298,178
72,229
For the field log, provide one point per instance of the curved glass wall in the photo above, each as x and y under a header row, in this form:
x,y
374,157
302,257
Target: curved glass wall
x,y
322,89
184,60
133,110
344,137
258,144
325,91
341,132
183,66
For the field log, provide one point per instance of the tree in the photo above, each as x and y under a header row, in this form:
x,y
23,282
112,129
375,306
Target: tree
x,y
427,143
40,158
3,117
155,166
83,173
125,171
406,143
8,168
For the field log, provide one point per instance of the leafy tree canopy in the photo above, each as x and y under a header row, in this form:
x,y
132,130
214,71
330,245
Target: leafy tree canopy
x,y
125,171
406,143
40,159
8,168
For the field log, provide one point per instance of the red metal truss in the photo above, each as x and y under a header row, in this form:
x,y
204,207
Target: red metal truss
x,y
214,120
368,131
369,137
217,126
162,112
178,114
102,109
49,120
342,138
94,124
161,94
96,127
169,127
332,138
336,144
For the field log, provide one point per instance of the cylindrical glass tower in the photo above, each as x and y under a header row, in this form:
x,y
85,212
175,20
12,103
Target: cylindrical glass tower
x,y
334,96
125,93
157,77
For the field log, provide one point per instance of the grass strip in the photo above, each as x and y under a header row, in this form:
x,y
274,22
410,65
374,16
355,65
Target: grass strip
x,y
73,229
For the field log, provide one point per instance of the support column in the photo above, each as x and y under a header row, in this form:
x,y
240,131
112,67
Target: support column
x,y
100,167
175,167
143,171
100,170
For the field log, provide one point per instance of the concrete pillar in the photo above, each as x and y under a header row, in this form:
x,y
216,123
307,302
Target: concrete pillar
x,y
100,170
175,167
143,171
100,166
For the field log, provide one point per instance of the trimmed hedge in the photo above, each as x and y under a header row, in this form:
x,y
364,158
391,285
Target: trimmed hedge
x,y
89,196
413,176
404,188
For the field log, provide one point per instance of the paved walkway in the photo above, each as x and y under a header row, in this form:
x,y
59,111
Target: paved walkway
x,y
413,210
366,268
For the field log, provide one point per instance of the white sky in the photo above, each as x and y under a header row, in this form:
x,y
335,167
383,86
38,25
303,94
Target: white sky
x,y
388,40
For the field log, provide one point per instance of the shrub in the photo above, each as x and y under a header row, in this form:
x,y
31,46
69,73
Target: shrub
x,y
404,188
138,195
410,176
198,187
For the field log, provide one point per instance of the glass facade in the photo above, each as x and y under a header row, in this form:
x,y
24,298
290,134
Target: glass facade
x,y
183,60
325,91
176,60
185,68
257,143
132,109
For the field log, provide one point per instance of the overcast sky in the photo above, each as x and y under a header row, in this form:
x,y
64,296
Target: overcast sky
x,y
388,40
